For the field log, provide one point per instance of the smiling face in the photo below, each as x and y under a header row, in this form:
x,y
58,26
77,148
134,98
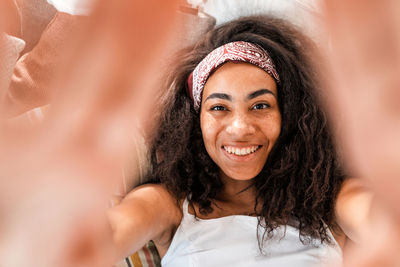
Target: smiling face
x,y
240,119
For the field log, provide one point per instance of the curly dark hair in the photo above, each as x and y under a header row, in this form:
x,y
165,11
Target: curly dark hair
x,y
302,176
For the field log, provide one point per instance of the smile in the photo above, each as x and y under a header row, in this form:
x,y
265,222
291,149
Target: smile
x,y
241,151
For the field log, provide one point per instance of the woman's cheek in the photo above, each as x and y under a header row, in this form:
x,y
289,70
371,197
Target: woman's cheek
x,y
209,133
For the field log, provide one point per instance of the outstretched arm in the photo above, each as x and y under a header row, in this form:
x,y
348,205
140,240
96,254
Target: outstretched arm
x,y
149,212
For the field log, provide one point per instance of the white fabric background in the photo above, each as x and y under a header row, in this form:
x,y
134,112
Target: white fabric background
x,y
73,7
302,13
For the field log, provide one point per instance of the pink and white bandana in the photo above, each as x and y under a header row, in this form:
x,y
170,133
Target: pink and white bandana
x,y
235,51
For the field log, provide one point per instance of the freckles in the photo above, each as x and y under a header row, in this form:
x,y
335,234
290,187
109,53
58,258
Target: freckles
x,y
272,121
209,133
210,124
208,129
272,128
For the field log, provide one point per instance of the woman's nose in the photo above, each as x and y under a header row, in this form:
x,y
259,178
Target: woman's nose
x,y
240,126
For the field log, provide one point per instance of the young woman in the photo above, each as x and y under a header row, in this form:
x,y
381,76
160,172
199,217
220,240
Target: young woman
x,y
244,167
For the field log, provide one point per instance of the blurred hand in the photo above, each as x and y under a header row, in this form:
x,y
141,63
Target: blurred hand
x,y
362,51
56,177
10,18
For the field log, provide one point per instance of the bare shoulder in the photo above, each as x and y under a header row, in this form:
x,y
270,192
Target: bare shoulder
x,y
354,189
152,192
353,183
353,206
157,200
149,212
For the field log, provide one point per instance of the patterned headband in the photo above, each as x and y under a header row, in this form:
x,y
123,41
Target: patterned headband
x,y
236,51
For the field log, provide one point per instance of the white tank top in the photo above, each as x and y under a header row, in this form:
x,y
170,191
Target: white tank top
x,y
232,241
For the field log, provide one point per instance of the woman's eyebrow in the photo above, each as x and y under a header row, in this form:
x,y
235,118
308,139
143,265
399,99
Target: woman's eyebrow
x,y
259,92
220,96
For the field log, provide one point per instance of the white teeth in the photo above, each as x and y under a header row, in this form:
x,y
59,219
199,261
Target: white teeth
x,y
241,151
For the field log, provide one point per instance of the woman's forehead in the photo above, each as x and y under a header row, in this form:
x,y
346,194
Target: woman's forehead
x,y
239,78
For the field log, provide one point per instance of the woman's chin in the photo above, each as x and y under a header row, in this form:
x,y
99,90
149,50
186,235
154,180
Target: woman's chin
x,y
240,176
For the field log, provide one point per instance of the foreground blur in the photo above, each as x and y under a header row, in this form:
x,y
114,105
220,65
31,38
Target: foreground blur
x,y
57,176
362,53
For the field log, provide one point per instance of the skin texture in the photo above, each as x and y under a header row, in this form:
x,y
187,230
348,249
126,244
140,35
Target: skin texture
x,y
239,122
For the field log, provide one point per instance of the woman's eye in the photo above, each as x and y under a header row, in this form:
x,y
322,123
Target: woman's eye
x,y
218,108
261,106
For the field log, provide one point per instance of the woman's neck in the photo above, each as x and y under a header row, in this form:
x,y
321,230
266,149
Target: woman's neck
x,y
237,192
236,198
